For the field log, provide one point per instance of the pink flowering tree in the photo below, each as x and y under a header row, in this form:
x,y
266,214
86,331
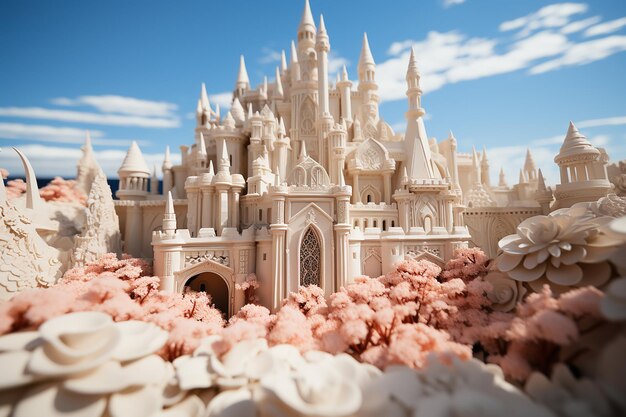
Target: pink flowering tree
x,y
64,191
249,287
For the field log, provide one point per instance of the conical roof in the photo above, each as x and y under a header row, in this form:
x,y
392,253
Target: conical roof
x,y
366,54
575,143
134,161
307,22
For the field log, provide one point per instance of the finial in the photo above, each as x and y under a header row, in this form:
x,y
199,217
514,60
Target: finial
x,y
322,27
87,148
211,169
307,17
279,85
502,182
541,182
204,98
202,148
484,159
366,54
303,154
344,73
169,206
412,70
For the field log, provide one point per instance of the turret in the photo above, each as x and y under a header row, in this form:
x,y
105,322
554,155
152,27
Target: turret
x,y
543,195
169,217
345,85
133,175
306,29
243,82
367,67
502,179
414,92
530,169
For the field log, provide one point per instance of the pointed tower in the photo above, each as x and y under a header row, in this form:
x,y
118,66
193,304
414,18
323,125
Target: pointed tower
x,y
367,67
322,47
476,174
154,181
583,169
87,168
169,217
283,61
345,86
201,155
484,169
166,168
419,160
306,29
33,199
243,82
134,175
530,169
502,179
543,195
278,90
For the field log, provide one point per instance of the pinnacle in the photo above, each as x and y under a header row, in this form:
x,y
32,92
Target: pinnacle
x,y
294,54
366,54
283,61
279,84
307,16
204,98
322,27
242,77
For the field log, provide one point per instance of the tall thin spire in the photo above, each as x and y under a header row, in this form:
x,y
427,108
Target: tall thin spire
x,y
283,61
204,98
167,163
169,217
211,169
483,159
242,77
366,56
344,73
541,182
202,153
278,92
412,70
322,27
294,53
522,177
224,162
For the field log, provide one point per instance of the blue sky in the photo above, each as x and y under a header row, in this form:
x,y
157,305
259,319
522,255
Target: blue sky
x,y
504,74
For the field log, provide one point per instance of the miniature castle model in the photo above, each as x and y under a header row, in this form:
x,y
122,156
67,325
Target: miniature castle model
x,y
304,183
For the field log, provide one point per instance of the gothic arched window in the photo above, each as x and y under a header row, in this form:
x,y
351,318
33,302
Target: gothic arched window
x,y
310,259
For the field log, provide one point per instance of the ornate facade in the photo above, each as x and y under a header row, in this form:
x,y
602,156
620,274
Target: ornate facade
x,y
303,182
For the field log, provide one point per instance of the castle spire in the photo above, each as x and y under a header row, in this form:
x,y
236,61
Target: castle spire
x,y
283,61
243,82
204,98
202,147
167,163
522,177
303,155
294,54
529,166
169,217
366,57
414,92
502,179
224,162
211,169
307,24
541,182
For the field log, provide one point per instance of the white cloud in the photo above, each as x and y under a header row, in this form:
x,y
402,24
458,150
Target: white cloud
x,y
606,121
42,133
121,105
544,41
269,56
584,53
223,99
579,25
92,118
450,3
50,161
552,16
336,62
605,28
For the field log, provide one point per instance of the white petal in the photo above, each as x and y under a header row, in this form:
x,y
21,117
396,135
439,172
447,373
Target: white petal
x,y
136,402
234,403
50,400
565,274
19,341
191,407
150,370
13,369
193,372
138,339
105,379
525,275
508,261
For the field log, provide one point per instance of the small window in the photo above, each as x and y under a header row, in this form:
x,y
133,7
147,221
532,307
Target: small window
x,y
393,223
260,215
230,160
369,198
375,223
265,256
384,224
353,255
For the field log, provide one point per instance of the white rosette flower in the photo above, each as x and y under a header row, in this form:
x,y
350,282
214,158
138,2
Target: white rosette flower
x,y
506,292
84,364
569,247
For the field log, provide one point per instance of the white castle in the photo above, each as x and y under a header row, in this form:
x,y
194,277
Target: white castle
x,y
304,183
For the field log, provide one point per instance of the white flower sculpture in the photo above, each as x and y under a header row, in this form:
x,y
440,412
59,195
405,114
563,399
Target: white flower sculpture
x,y
280,382
569,247
506,292
84,364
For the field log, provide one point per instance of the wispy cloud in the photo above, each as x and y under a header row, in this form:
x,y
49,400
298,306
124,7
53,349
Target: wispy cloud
x,y
269,56
606,27
450,3
543,41
336,62
53,134
223,99
121,105
87,117
49,161
606,121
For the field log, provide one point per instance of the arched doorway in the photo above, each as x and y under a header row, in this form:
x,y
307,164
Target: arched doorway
x,y
215,286
310,258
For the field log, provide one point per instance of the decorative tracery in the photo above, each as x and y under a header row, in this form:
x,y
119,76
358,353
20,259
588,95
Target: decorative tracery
x,y
310,259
